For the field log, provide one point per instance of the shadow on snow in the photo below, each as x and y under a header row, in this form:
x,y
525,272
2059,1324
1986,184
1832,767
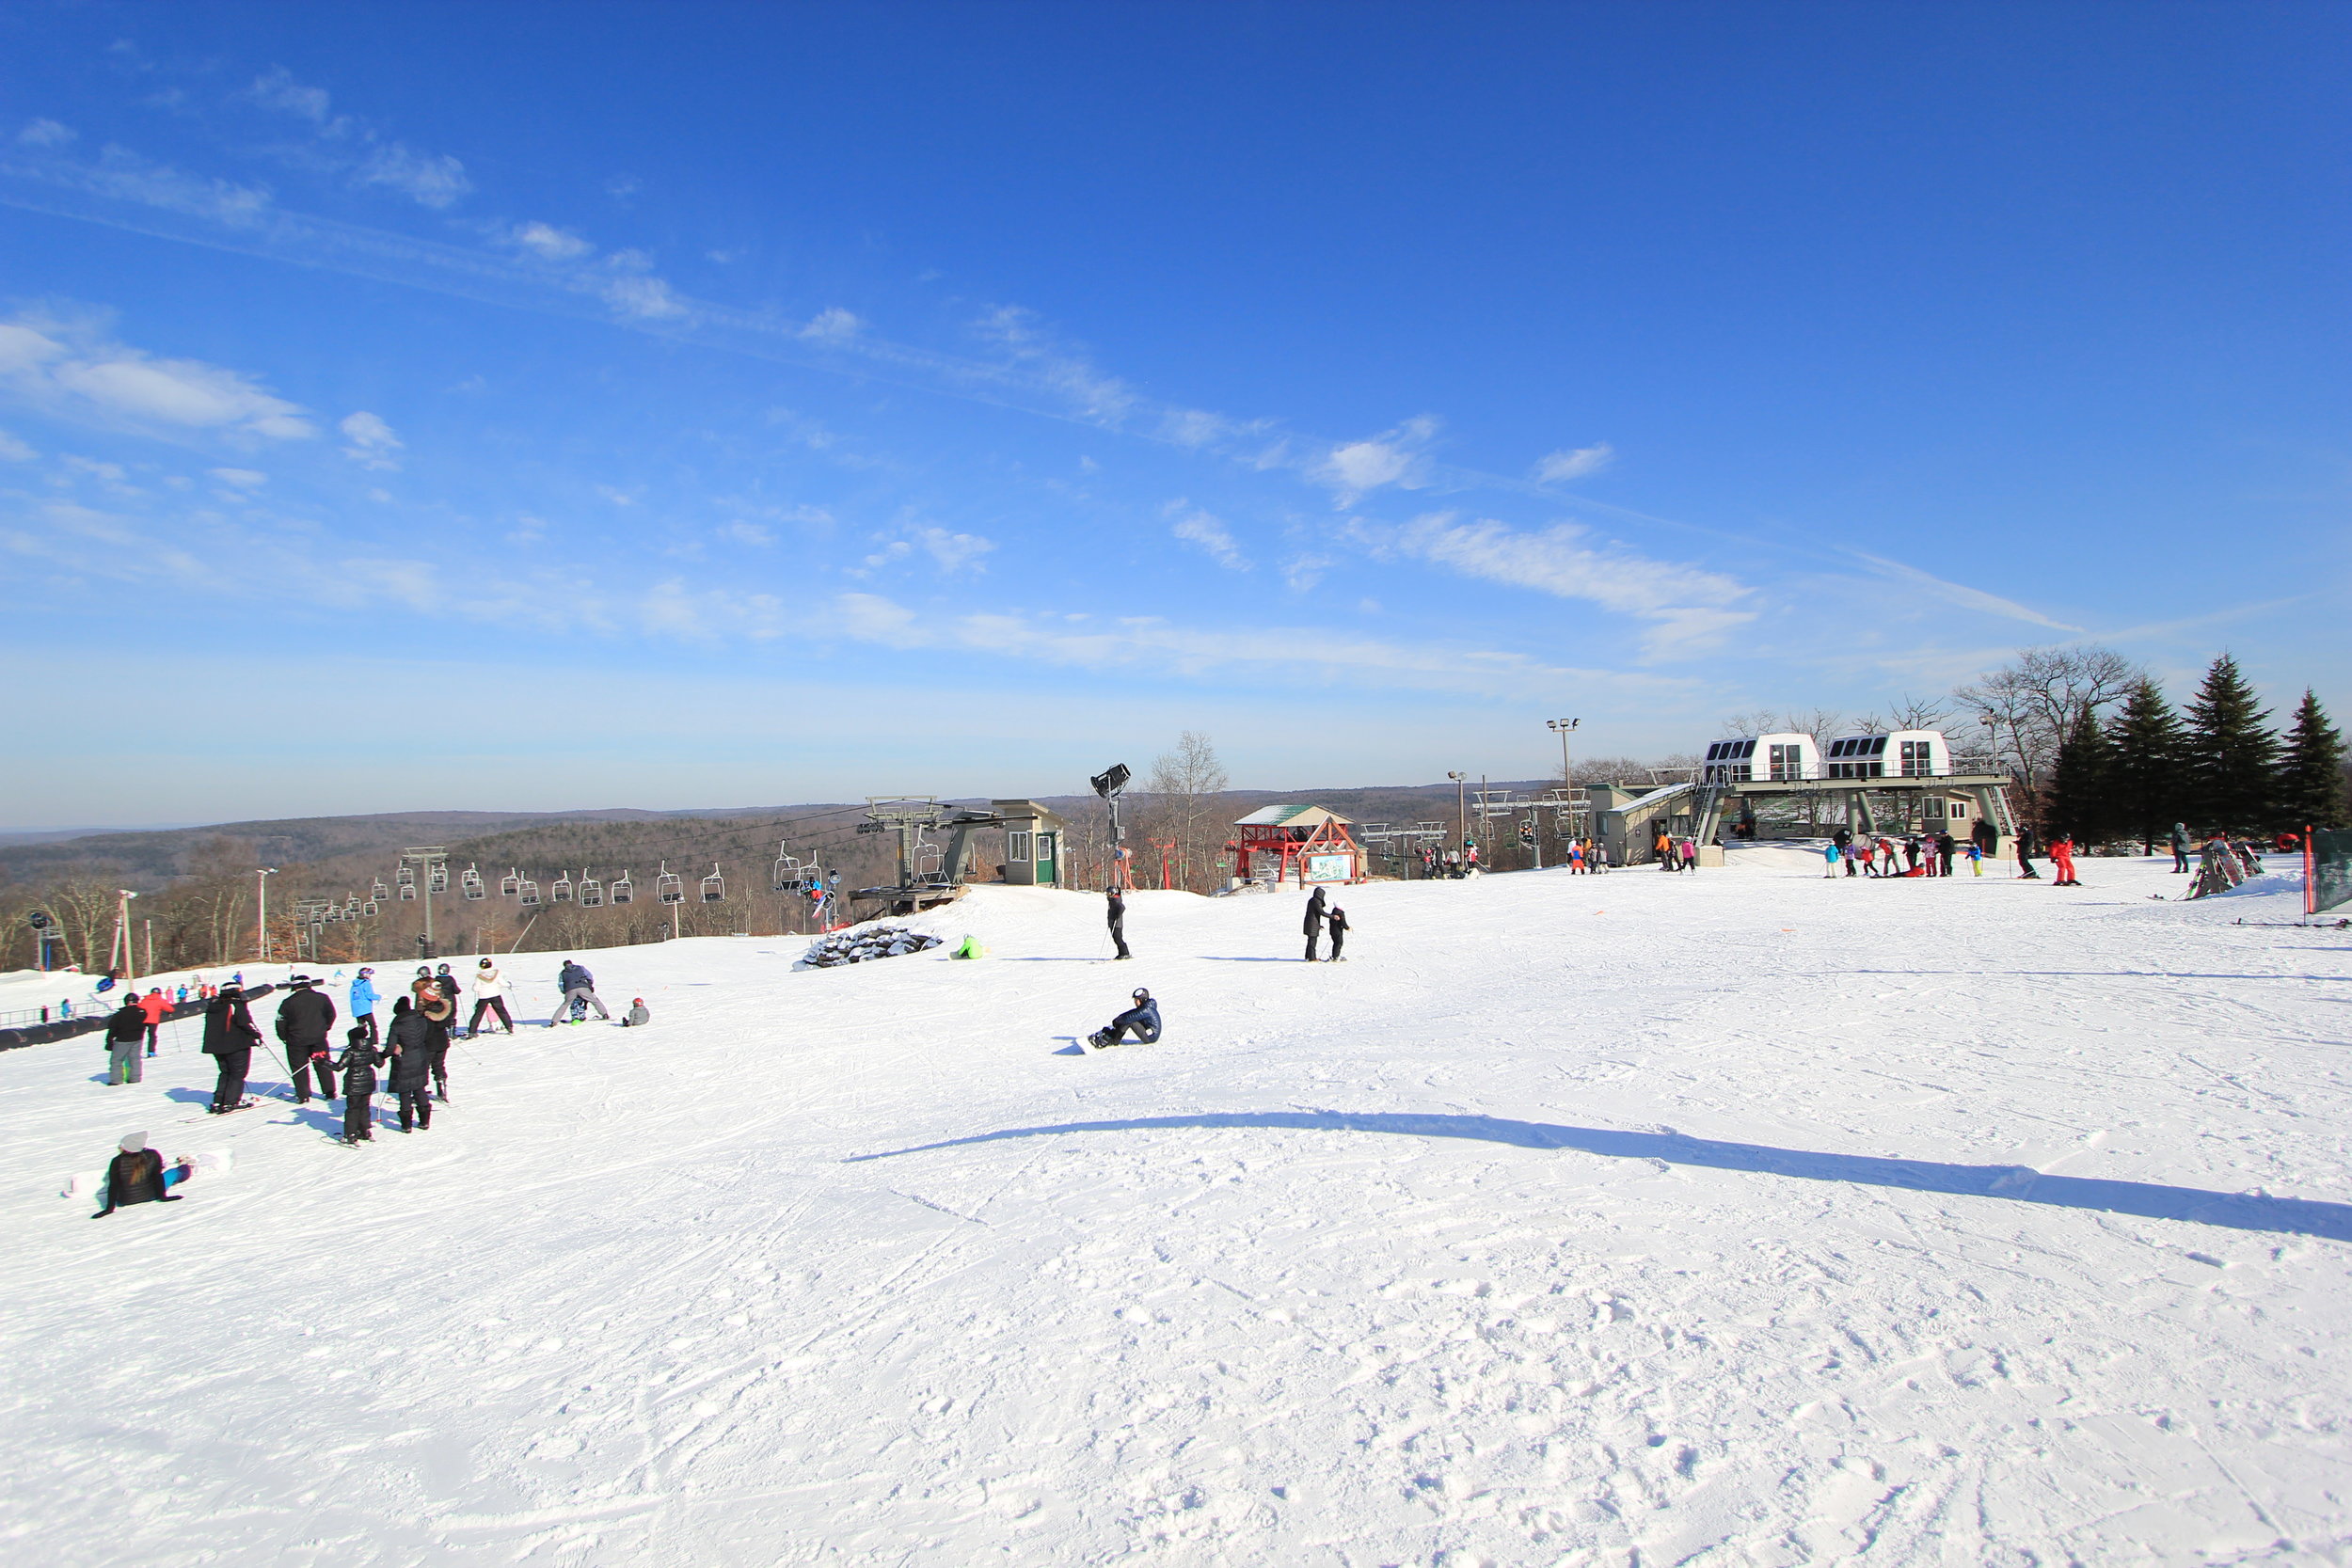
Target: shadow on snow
x,y
2013,1183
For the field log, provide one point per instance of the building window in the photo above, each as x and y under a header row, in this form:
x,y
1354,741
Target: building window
x,y
1016,846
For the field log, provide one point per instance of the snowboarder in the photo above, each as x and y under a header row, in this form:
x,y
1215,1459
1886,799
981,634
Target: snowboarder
x,y
125,1031
1115,911
358,1064
579,991
136,1175
155,1007
363,1000
230,1037
410,1039
1336,923
636,1017
1312,925
1143,1018
303,1019
489,994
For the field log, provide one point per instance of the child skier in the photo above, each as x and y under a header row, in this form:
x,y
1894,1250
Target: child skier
x,y
358,1064
1336,923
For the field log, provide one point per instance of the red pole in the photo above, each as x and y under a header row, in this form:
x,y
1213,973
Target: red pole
x,y
2310,875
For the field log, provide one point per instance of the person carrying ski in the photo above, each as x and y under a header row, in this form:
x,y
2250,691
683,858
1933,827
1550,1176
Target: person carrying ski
x,y
410,1039
136,1175
363,1000
125,1031
1115,911
1312,925
1336,923
489,994
155,1007
358,1064
230,1037
580,993
303,1019
1143,1018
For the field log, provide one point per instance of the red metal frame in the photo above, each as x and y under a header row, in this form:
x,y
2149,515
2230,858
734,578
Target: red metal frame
x,y
1285,844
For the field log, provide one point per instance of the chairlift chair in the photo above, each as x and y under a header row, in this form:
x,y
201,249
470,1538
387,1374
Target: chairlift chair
x,y
440,876
528,891
714,887
590,891
669,887
622,890
405,877
510,884
788,877
470,883
408,891
370,909
559,891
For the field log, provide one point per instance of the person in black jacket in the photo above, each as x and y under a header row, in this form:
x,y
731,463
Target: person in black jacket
x,y
439,1012
303,1019
1143,1018
230,1037
1313,926
358,1064
1115,911
411,1040
136,1175
1336,923
125,1031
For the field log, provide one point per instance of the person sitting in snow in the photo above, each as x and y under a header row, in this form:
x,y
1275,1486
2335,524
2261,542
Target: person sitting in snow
x,y
136,1175
636,1018
1143,1018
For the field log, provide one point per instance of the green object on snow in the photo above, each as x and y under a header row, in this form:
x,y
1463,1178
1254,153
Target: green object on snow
x,y
969,948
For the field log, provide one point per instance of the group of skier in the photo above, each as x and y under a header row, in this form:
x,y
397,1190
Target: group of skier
x,y
1916,855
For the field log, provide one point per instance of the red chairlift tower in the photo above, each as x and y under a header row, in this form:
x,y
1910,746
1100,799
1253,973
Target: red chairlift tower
x,y
1302,843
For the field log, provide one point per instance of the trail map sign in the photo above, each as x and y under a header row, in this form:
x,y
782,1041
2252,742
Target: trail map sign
x,y
2327,871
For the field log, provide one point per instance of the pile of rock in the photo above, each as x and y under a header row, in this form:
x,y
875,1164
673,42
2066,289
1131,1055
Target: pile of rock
x,y
862,943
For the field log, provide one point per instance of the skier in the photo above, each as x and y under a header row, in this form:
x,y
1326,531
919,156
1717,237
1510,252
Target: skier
x,y
1975,858
363,1000
434,1011
636,1017
2062,856
2180,847
1336,923
1829,853
2025,855
1115,911
1312,925
230,1037
1143,1018
446,983
1664,848
1945,846
358,1064
579,991
410,1039
125,1031
136,1175
489,993
155,1007
303,1019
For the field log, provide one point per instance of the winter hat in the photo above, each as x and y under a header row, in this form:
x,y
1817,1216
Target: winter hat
x,y
134,1142
484,964
298,981
1141,995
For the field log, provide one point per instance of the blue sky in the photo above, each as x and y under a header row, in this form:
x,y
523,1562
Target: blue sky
x,y
531,407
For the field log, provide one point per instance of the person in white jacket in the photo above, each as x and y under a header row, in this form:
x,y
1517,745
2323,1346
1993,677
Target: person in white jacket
x,y
489,996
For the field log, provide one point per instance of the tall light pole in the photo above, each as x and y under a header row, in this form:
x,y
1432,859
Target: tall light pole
x,y
261,911
1563,727
1461,806
122,926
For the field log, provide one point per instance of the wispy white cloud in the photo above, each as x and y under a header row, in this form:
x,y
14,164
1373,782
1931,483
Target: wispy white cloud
x,y
1065,369
372,445
45,133
1303,572
278,90
431,180
955,552
14,451
631,287
547,241
1559,466
1688,608
240,479
747,533
1197,527
1355,469
69,366
1960,595
831,326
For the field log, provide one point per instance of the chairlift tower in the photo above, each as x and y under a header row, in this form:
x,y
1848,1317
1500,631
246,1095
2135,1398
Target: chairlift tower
x,y
433,859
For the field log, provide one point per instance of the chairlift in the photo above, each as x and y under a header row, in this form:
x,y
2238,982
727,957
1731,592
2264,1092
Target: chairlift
x,y
408,891
351,908
559,891
669,887
714,887
590,891
407,876
379,891
470,883
623,891
440,876
370,909
788,877
529,892
510,884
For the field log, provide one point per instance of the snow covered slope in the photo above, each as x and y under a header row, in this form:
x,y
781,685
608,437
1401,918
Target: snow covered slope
x,y
1744,1217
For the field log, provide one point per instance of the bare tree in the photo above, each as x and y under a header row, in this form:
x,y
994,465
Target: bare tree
x,y
1185,785
2029,705
1912,713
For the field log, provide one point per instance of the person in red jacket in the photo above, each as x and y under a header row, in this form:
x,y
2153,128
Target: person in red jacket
x,y
154,1006
2062,856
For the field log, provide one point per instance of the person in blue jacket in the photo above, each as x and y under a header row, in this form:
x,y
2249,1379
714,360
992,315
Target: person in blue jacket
x,y
1143,1018
363,1000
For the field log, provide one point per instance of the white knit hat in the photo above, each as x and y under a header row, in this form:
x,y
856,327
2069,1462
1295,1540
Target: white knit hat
x,y
134,1142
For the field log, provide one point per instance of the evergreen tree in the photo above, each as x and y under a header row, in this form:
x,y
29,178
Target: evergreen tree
x,y
2313,790
2232,771
2082,783
2148,751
